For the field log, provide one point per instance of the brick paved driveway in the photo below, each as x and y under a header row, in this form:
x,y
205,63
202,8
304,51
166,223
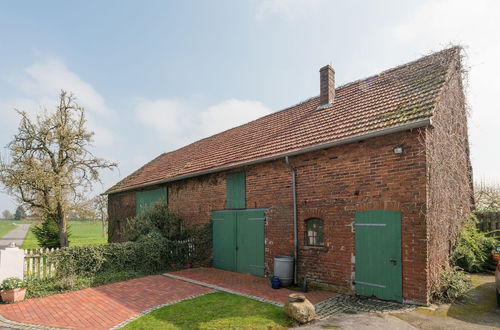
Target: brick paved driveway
x,y
101,307
250,285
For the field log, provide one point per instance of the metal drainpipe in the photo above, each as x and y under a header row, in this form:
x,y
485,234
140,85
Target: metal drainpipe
x,y
295,229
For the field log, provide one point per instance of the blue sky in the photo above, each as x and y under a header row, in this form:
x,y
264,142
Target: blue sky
x,y
155,75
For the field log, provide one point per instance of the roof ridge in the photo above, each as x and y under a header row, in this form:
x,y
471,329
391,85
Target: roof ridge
x,y
401,66
317,96
387,103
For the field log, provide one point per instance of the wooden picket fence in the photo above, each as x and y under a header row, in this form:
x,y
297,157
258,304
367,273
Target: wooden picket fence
x,y
41,263
38,265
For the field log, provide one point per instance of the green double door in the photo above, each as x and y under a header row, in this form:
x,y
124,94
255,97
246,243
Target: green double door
x,y
378,254
238,241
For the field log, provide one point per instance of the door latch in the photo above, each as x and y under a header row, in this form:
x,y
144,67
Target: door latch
x,y
393,261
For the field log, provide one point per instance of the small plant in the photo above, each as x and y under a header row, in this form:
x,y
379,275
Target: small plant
x,y
47,233
12,283
453,285
473,247
66,283
13,290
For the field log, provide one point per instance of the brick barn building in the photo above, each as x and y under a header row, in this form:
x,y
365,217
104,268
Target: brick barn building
x,y
364,184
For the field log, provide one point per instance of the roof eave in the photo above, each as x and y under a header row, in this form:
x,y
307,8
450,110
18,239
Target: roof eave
x,y
390,130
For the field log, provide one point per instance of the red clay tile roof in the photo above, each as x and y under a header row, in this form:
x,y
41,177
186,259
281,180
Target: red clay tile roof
x,y
395,97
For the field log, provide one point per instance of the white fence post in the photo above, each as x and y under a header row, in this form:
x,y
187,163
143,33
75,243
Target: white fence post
x,y
11,263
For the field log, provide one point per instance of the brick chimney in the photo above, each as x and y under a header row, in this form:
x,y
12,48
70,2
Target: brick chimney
x,y
327,86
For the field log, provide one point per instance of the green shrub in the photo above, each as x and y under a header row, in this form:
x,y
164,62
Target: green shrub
x,y
157,222
150,254
47,233
473,248
453,285
12,283
157,218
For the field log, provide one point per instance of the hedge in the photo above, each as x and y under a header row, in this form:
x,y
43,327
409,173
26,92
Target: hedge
x,y
150,254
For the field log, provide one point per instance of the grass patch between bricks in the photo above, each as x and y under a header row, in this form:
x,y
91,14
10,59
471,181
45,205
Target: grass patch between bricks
x,y
218,310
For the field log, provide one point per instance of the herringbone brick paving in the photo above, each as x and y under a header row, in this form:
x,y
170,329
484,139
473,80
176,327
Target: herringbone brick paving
x,y
101,307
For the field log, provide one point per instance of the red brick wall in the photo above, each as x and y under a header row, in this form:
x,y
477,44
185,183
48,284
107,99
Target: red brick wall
x,y
194,199
332,184
449,172
121,206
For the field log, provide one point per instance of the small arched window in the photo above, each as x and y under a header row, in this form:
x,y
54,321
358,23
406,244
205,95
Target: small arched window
x,y
314,232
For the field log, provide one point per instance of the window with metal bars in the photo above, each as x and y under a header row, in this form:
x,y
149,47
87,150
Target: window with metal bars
x,y
314,232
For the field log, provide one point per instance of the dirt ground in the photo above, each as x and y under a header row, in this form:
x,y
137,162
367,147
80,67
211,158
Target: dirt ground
x,y
478,311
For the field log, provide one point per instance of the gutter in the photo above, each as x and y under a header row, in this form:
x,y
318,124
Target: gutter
x,y
401,128
295,220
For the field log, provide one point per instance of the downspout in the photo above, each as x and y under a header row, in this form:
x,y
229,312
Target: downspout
x,y
295,221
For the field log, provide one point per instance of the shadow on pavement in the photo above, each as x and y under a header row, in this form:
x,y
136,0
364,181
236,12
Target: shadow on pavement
x,y
480,306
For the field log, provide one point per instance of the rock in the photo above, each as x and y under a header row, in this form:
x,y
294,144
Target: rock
x,y
299,308
296,297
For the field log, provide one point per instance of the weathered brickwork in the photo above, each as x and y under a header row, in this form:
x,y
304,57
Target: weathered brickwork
x,y
449,172
121,206
332,184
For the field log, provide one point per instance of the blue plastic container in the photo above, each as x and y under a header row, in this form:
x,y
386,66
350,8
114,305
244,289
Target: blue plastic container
x,y
275,282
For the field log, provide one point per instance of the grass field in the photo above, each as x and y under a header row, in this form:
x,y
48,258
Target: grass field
x,y
82,233
5,227
215,311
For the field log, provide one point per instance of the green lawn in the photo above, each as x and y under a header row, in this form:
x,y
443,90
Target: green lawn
x,y
82,233
215,311
5,227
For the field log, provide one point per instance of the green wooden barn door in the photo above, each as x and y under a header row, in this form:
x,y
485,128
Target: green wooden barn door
x,y
238,241
378,254
250,242
224,240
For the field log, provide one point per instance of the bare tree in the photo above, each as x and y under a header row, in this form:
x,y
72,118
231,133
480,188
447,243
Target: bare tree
x,y
101,209
6,215
487,196
51,167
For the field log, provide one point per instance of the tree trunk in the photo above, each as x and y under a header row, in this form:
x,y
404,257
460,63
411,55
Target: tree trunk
x,y
63,235
63,227
103,225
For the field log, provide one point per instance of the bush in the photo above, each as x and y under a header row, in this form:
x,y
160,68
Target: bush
x,y
453,285
159,222
47,233
150,254
157,218
12,283
473,248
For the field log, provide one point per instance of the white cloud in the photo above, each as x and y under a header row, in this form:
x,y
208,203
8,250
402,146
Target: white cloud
x,y
40,83
290,9
231,113
171,119
474,24
49,76
182,122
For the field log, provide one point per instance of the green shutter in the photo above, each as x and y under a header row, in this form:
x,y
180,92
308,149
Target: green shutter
x,y
235,190
145,198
